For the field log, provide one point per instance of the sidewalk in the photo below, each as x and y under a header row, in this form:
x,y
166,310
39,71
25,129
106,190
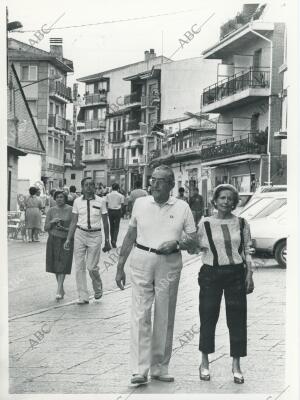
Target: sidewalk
x,y
85,349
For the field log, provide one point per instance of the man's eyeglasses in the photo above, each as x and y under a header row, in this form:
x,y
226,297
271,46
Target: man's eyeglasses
x,y
157,180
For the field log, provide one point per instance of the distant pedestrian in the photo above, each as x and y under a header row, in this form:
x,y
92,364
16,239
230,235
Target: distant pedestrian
x,y
59,260
197,205
72,195
86,225
227,267
181,195
33,216
114,202
136,193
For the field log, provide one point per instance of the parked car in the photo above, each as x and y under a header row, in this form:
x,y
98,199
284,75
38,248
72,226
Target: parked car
x,y
267,216
245,197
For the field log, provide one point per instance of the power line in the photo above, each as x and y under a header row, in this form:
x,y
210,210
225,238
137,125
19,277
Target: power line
x,y
116,21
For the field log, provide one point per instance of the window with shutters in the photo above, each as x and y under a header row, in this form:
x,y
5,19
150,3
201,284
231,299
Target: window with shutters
x,y
97,146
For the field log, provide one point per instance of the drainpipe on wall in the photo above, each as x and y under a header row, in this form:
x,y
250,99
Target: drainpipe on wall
x,y
270,100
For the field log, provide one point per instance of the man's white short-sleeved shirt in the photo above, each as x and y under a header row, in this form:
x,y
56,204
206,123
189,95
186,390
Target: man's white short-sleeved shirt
x,y
157,224
115,200
92,209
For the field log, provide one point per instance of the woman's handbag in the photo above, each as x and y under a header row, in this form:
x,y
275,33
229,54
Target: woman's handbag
x,y
242,244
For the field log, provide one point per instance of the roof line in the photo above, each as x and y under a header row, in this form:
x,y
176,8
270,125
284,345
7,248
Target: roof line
x,y
97,75
27,106
46,53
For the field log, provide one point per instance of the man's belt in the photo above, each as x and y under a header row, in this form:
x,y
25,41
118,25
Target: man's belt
x,y
140,246
88,230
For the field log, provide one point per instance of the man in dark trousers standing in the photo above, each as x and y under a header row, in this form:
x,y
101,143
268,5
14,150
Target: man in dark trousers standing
x,y
196,205
115,202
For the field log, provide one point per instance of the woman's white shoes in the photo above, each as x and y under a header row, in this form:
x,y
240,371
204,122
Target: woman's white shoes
x,y
204,374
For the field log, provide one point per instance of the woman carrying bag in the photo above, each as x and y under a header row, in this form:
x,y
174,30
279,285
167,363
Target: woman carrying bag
x,y
227,267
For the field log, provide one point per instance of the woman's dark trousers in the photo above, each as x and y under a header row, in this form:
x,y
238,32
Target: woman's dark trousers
x,y
213,282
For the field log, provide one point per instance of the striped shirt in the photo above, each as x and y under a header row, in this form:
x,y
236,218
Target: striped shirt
x,y
226,237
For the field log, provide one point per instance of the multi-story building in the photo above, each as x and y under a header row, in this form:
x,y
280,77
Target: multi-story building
x,y
43,76
159,99
180,147
23,139
107,96
246,93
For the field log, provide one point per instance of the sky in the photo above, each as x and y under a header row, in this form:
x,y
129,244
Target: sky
x,y
97,48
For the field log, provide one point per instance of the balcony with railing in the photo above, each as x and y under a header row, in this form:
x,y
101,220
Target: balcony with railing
x,y
95,99
232,147
133,125
57,122
238,89
116,163
139,160
116,137
133,98
95,124
60,91
150,101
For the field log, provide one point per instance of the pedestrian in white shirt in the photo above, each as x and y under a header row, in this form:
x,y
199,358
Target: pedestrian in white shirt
x,y
156,226
86,224
115,202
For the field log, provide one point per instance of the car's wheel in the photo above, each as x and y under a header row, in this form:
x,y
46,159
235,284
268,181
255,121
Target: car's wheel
x,y
280,253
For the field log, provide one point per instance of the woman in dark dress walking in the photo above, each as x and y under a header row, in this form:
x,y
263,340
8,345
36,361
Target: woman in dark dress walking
x,y
58,260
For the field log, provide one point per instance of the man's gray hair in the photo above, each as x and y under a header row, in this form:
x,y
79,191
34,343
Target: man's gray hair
x,y
168,170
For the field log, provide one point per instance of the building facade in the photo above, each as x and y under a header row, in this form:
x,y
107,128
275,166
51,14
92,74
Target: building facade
x,y
23,139
108,105
43,76
246,93
180,147
164,93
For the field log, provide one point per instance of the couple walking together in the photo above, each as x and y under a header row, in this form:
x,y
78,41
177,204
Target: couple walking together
x,y
154,233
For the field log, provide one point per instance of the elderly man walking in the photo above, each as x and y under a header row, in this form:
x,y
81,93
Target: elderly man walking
x,y
156,227
86,224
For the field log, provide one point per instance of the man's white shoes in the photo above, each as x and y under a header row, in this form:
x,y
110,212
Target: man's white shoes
x,y
80,301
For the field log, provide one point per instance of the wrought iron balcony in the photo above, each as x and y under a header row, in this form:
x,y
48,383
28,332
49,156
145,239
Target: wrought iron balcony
x,y
116,137
60,90
95,98
94,124
132,98
138,160
252,78
132,125
232,147
58,122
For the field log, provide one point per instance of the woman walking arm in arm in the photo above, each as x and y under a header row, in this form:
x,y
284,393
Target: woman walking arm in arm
x,y
227,268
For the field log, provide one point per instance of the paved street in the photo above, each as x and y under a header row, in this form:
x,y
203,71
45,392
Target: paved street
x,y
66,348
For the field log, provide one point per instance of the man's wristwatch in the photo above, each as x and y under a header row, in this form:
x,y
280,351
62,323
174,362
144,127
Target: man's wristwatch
x,y
177,245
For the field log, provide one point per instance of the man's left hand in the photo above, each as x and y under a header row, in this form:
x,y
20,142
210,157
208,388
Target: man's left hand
x,y
168,247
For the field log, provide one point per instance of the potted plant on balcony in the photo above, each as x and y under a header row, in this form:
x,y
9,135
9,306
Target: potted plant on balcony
x,y
261,137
